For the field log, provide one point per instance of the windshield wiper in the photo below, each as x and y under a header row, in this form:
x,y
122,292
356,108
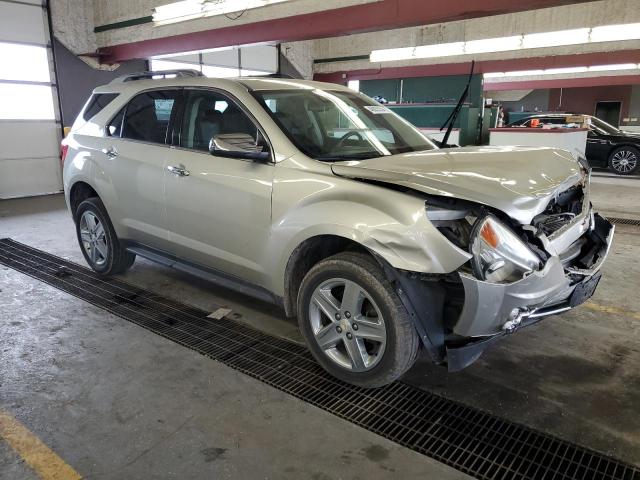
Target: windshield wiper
x,y
454,114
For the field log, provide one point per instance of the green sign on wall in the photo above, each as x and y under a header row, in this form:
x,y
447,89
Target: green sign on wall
x,y
444,89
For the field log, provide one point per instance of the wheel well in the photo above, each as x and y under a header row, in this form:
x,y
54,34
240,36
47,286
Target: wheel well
x,y
79,193
624,145
305,256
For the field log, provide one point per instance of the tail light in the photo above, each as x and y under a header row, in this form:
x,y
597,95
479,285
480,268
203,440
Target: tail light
x,y
63,152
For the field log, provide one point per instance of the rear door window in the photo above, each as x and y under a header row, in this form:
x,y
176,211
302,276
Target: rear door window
x,y
115,125
148,115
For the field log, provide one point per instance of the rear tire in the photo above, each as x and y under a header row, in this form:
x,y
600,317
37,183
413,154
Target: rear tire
x,y
98,240
354,322
624,160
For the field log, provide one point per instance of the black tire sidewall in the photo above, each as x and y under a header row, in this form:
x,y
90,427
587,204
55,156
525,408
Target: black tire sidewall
x,y
635,150
95,206
392,364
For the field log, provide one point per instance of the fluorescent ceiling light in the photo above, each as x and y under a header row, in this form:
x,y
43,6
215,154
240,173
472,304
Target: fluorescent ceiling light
x,y
440,50
556,39
493,75
609,33
488,45
390,54
192,9
606,33
178,11
560,71
524,73
424,51
621,66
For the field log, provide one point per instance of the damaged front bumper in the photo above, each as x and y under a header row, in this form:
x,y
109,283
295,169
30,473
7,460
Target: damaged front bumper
x,y
491,309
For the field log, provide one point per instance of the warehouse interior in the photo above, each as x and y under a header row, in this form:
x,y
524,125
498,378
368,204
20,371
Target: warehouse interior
x,y
93,385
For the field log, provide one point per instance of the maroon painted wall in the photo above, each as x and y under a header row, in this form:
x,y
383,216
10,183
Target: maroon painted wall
x,y
584,99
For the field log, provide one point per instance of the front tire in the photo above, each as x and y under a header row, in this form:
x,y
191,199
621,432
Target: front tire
x,y
624,160
354,323
98,240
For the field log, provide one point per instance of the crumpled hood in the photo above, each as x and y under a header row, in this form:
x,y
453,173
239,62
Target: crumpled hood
x,y
520,181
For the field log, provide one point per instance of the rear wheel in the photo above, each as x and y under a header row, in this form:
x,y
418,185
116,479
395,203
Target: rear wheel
x,y
97,237
354,323
624,160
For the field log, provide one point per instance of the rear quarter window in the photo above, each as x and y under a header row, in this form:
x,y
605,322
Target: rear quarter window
x,y
96,103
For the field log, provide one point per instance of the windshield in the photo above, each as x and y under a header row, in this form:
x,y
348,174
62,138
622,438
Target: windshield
x,y
338,125
603,127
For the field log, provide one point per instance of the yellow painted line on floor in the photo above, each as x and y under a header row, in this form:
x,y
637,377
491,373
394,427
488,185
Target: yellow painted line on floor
x,y
596,307
36,454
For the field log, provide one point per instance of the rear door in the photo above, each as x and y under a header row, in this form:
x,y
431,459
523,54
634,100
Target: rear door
x,y
135,153
218,208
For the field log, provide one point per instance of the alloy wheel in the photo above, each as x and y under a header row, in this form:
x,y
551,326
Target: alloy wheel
x,y
624,161
94,238
347,324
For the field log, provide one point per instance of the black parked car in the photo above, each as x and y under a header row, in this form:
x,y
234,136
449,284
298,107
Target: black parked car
x,y
607,146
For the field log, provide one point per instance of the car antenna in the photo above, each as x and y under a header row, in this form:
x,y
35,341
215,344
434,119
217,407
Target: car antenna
x,y
454,114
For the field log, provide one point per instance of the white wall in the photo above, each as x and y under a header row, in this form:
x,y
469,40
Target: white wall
x,y
29,114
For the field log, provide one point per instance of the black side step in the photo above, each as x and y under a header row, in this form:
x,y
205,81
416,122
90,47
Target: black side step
x,y
210,275
474,442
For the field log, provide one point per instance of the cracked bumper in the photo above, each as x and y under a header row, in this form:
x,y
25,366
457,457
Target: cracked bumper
x,y
491,308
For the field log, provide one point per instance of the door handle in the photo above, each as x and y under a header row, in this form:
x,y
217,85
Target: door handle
x,y
110,152
179,170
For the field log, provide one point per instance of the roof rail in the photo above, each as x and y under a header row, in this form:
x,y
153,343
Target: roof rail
x,y
131,77
280,75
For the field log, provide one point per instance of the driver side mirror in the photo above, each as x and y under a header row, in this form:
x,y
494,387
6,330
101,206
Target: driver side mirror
x,y
239,145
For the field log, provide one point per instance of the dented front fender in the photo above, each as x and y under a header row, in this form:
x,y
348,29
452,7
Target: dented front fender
x,y
390,223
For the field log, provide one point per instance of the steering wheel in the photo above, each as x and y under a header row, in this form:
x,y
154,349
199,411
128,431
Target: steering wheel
x,y
350,133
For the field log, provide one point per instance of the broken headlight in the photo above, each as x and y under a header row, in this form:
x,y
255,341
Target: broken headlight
x,y
499,256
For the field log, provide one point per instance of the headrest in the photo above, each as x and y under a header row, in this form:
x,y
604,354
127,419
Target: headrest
x,y
209,114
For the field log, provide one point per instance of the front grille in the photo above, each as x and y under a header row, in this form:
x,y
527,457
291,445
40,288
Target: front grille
x,y
474,442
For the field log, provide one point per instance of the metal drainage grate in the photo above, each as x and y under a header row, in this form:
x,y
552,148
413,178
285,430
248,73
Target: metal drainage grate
x,y
624,221
474,442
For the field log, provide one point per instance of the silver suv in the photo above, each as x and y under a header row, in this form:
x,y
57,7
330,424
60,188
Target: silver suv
x,y
321,200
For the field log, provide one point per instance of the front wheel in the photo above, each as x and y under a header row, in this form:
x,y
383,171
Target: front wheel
x,y
354,323
97,237
624,160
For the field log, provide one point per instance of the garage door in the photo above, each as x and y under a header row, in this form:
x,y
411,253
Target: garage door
x,y
29,114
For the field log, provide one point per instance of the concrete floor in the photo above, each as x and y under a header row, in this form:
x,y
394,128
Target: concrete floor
x,y
116,401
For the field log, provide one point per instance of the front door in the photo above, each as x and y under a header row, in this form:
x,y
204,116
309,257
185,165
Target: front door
x,y
218,208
